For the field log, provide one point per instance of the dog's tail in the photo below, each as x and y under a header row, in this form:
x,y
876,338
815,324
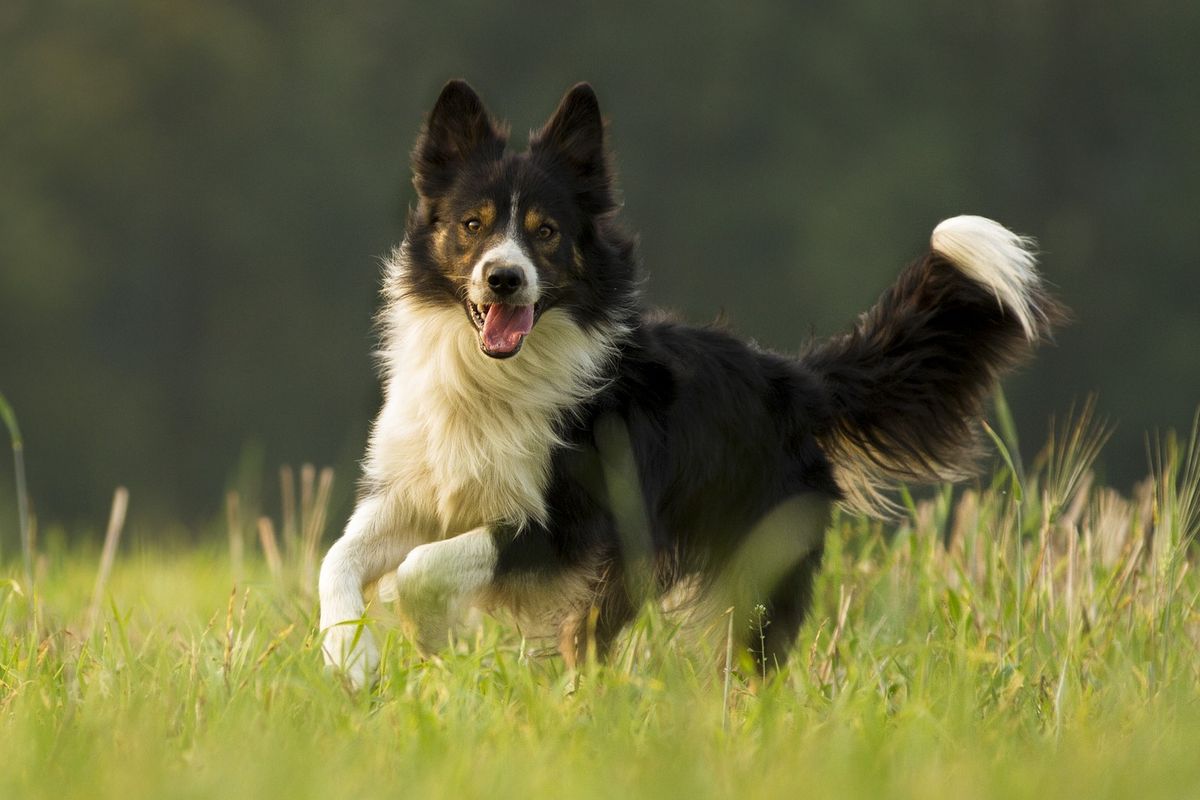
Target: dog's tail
x,y
907,386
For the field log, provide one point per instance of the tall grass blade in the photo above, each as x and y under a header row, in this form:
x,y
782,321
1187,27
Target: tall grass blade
x,y
1008,427
726,690
237,536
1071,452
314,523
287,501
112,537
18,450
266,536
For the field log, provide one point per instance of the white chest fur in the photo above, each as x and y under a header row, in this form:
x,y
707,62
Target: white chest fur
x,y
464,440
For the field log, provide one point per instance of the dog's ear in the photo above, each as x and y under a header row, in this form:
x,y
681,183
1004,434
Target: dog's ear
x,y
574,139
457,130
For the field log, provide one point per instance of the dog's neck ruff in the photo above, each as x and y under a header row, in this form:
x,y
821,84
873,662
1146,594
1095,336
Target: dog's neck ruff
x,y
464,440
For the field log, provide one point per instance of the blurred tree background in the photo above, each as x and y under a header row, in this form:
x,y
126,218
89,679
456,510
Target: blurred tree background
x,y
194,196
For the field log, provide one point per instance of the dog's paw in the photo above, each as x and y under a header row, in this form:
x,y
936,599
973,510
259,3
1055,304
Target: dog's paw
x,y
350,651
426,598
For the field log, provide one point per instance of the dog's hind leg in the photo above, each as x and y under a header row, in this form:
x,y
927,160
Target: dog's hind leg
x,y
369,548
774,630
594,627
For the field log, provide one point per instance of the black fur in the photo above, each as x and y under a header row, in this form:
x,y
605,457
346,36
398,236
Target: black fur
x,y
910,381
720,433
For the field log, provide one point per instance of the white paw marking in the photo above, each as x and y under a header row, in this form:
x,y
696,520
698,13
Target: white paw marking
x,y
350,650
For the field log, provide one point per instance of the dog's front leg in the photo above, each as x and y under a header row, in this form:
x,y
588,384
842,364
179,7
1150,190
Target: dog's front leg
x,y
370,546
437,579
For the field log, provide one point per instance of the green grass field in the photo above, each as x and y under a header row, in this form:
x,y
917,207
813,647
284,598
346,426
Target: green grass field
x,y
1030,637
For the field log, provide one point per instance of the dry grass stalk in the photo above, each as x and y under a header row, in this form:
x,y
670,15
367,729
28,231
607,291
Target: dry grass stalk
x,y
318,510
827,669
237,538
725,695
308,479
273,646
266,536
1070,519
1072,593
112,537
227,655
1071,454
1040,560
287,500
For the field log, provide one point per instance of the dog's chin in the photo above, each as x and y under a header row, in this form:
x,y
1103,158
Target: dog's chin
x,y
499,356
478,316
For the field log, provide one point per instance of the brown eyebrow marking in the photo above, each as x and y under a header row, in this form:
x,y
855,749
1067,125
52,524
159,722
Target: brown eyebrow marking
x,y
487,213
534,219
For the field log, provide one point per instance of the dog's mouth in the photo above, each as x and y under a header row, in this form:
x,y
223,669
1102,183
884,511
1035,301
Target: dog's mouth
x,y
502,327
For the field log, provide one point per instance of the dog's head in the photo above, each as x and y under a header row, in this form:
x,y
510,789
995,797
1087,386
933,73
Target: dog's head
x,y
510,236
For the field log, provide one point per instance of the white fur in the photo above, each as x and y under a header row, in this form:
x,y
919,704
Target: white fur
x,y
436,580
508,251
366,551
463,441
994,256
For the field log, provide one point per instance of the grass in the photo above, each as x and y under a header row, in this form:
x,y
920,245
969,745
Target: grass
x,y
1036,635
18,451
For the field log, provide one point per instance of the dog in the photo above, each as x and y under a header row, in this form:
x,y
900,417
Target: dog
x,y
546,445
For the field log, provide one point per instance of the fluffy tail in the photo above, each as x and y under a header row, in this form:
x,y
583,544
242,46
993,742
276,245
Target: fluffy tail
x,y
907,386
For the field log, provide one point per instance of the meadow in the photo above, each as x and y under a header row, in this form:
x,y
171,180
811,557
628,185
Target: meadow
x,y
1033,634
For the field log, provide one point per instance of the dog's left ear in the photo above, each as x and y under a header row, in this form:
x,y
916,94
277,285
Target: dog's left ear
x,y
574,138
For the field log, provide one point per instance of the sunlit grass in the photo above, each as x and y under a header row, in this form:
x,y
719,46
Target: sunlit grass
x,y
990,647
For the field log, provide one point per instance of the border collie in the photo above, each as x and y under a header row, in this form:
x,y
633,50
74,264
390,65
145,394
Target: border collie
x,y
548,446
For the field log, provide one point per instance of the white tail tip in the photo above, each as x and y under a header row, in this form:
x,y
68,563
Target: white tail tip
x,y
992,255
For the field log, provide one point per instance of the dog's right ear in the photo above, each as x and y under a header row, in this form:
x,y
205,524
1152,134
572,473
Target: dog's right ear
x,y
457,131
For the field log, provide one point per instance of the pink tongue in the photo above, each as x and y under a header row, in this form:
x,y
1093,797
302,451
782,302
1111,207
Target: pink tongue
x,y
505,327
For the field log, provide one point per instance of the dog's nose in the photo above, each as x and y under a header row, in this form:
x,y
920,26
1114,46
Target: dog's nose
x,y
503,279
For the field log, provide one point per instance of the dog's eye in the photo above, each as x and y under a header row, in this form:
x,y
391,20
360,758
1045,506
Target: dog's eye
x,y
545,232
472,225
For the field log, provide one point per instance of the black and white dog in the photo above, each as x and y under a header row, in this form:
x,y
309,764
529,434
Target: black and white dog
x,y
542,438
